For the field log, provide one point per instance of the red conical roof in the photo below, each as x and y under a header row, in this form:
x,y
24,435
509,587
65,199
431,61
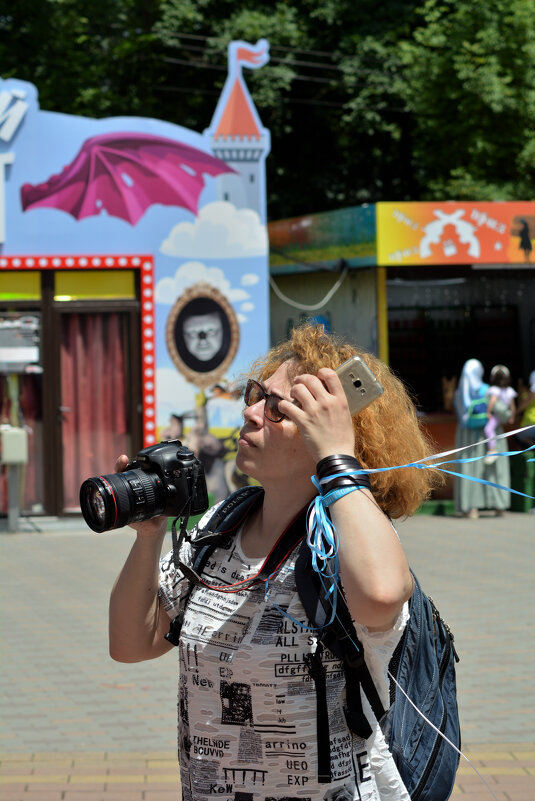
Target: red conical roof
x,y
237,118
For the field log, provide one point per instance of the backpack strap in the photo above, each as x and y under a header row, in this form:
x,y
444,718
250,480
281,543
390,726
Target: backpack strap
x,y
318,674
356,670
338,634
229,513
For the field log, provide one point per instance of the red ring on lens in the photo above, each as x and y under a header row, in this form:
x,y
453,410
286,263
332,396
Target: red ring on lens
x,y
102,478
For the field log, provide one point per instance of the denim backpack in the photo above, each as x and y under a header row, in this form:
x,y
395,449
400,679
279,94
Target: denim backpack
x,y
422,665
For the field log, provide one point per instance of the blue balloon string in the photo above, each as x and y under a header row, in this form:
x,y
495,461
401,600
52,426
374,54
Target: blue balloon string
x,y
322,538
425,465
484,481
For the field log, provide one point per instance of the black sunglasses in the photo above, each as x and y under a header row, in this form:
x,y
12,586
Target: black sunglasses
x,y
255,392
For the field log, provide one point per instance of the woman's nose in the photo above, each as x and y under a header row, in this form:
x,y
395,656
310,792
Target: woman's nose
x,y
255,413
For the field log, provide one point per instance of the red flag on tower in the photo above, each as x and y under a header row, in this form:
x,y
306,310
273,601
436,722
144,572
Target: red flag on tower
x,y
252,56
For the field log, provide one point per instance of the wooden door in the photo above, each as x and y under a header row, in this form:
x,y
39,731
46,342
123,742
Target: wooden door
x,y
96,409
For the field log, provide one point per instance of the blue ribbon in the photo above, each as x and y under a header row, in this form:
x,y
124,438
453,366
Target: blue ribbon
x,y
425,465
322,538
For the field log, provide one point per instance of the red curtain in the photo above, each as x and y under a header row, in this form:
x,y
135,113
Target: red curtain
x,y
93,398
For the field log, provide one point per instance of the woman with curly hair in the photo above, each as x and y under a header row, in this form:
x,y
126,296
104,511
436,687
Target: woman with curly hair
x,y
247,706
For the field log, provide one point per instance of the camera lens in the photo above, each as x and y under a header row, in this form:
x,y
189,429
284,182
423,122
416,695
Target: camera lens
x,y
118,499
96,505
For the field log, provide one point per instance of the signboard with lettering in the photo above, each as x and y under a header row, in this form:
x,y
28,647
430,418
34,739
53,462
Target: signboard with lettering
x,y
455,233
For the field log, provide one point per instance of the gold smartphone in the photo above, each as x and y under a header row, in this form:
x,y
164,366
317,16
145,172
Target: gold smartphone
x,y
360,385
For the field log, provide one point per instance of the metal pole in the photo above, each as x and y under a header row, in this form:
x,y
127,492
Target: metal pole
x,y
13,508
382,314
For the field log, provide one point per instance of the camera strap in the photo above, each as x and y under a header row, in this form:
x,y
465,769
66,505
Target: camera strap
x,y
224,523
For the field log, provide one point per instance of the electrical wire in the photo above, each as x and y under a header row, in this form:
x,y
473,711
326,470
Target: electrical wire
x,y
199,37
282,101
192,63
221,68
319,65
304,306
286,62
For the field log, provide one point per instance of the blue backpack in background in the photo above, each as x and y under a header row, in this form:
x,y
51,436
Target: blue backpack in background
x,y
477,410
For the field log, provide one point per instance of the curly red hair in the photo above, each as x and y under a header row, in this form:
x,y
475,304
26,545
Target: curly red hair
x,y
387,432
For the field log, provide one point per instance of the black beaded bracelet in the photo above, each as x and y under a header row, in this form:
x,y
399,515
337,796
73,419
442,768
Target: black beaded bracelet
x,y
341,463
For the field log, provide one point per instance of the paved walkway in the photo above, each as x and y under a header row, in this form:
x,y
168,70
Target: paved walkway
x,y
76,725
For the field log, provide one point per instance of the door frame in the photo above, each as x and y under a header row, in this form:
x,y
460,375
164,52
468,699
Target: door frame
x,y
53,442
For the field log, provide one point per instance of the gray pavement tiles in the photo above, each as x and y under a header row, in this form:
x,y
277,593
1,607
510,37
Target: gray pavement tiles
x,y
61,691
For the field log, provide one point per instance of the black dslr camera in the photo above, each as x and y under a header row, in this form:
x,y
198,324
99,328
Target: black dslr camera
x,y
164,479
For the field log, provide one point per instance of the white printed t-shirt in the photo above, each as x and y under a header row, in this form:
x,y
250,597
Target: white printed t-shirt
x,y
246,703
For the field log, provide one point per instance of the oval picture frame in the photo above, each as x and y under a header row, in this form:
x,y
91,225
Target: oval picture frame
x,y
200,300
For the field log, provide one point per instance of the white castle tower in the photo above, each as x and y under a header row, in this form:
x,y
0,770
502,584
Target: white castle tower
x,y
236,134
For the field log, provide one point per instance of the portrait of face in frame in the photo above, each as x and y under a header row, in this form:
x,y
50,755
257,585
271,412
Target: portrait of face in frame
x,y
202,334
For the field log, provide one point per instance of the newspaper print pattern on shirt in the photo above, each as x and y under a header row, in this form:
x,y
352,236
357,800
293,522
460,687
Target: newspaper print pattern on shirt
x,y
246,704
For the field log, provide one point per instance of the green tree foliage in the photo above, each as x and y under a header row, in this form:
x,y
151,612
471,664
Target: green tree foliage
x,y
469,83
95,58
366,101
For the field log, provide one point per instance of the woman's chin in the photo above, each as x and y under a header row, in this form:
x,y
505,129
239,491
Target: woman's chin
x,y
244,464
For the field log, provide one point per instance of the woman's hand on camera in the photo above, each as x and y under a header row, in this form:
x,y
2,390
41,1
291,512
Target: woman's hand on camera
x,y
121,463
155,526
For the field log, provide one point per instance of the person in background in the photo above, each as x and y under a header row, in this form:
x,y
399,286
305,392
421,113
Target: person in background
x,y
526,412
525,240
471,496
500,407
174,428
